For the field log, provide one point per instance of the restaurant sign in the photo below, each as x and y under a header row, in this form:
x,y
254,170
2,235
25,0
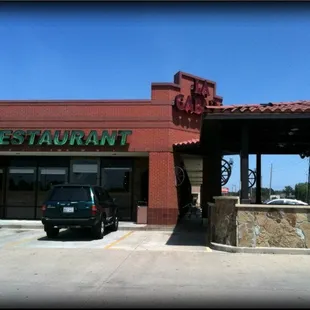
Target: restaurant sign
x,y
196,101
66,137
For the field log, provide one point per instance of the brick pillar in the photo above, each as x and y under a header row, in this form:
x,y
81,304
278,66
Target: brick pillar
x,y
163,201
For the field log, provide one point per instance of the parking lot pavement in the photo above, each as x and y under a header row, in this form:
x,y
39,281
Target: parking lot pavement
x,y
14,238
49,277
120,240
163,241
37,224
138,268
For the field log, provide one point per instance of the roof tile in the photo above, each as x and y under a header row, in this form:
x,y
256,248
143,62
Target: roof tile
x,y
302,106
187,142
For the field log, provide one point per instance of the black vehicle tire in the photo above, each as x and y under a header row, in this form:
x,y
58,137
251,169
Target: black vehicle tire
x,y
51,232
114,226
98,230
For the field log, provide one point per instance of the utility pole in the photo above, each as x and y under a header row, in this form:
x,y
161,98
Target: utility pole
x,y
270,182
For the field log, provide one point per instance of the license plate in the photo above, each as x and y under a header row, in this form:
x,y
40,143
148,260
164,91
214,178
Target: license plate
x,y
68,209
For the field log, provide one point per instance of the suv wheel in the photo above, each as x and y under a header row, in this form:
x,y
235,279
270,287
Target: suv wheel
x,y
99,229
114,226
51,232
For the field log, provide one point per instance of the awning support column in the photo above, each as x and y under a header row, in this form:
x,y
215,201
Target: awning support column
x,y
258,179
212,159
244,165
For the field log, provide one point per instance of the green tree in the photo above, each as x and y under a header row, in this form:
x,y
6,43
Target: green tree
x,y
288,191
301,190
264,195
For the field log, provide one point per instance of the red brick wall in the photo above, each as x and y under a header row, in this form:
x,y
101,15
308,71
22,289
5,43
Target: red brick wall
x,y
149,123
156,125
163,205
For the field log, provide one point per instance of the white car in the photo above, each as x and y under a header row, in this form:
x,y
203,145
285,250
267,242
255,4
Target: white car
x,y
286,202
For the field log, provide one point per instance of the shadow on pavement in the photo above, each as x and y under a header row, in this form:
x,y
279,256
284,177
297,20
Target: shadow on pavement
x,y
189,232
70,235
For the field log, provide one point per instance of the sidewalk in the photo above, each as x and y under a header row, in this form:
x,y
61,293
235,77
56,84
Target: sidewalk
x,y
36,224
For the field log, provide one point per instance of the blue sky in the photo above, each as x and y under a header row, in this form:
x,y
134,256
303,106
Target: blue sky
x,y
255,53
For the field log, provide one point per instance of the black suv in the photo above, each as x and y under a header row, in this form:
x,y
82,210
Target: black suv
x,y
75,206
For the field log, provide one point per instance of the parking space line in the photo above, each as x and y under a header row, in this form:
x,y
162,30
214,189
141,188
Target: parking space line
x,y
118,240
19,242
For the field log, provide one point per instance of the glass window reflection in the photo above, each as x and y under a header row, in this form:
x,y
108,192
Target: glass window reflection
x,y
84,172
2,212
21,187
1,187
49,177
116,179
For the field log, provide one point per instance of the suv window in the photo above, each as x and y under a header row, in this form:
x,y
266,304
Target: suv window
x,y
106,195
68,193
101,194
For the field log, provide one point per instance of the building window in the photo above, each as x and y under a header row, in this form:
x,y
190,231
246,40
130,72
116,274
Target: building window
x,y
21,187
116,180
85,172
48,177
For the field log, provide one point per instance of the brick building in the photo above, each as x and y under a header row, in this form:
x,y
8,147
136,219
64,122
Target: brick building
x,y
128,146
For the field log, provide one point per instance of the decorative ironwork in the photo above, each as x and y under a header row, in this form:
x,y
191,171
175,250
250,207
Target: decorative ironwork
x,y
252,178
179,175
226,171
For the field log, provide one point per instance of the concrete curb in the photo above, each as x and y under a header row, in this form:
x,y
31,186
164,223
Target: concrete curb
x,y
14,226
121,228
262,250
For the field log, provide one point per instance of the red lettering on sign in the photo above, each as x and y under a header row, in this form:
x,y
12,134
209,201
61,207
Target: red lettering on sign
x,y
196,89
196,102
201,88
189,107
179,102
199,105
205,90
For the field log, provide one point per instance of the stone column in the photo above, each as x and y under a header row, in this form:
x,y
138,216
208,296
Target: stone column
x,y
223,220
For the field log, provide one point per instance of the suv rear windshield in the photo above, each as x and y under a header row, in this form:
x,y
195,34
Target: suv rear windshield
x,y
69,193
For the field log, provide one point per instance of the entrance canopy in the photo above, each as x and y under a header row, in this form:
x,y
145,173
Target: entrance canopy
x,y
193,165
273,128
282,128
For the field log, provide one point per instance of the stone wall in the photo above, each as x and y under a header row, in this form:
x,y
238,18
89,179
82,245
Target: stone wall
x,y
242,225
268,226
223,220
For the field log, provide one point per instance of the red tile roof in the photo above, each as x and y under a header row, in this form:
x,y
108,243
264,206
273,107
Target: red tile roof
x,y
187,142
302,106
